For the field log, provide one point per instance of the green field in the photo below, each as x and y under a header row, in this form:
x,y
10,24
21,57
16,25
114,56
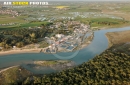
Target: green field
x,y
102,22
33,24
24,25
5,19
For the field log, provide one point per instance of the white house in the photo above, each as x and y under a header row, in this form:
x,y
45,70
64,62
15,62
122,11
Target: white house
x,y
59,35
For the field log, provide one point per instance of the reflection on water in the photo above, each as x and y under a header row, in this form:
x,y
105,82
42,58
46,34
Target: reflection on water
x,y
43,68
97,46
38,69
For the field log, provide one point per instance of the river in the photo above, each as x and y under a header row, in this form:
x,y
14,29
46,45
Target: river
x,y
97,46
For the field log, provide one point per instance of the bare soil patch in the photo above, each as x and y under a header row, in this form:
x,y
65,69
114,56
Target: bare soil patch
x,y
118,37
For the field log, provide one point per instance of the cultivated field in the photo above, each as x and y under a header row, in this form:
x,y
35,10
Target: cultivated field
x,y
4,19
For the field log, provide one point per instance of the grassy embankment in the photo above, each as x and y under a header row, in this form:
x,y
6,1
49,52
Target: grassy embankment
x,y
51,62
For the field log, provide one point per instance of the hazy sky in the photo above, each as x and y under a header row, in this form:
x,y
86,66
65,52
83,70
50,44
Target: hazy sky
x,y
64,0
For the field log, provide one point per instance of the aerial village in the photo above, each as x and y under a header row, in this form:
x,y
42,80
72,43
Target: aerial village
x,y
10,12
61,42
57,42
65,43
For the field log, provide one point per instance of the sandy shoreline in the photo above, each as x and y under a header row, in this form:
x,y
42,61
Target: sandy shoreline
x,y
109,42
20,51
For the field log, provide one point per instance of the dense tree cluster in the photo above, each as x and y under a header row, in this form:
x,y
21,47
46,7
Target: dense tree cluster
x,y
20,37
108,21
109,68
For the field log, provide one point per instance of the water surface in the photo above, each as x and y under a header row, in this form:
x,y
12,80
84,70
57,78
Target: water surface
x,y
97,46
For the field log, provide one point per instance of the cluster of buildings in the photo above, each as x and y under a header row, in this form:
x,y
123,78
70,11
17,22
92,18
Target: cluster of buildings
x,y
65,43
92,14
69,18
64,25
59,25
8,24
9,11
36,19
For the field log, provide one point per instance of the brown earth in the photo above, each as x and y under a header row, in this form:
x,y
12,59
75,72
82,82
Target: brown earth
x,y
118,37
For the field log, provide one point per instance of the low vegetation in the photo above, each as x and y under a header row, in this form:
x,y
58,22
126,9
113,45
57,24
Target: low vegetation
x,y
13,75
118,37
50,63
120,41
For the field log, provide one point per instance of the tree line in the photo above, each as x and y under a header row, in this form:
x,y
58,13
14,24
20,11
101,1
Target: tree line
x,y
109,68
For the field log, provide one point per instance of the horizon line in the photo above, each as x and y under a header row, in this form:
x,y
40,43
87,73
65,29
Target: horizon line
x,y
72,0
